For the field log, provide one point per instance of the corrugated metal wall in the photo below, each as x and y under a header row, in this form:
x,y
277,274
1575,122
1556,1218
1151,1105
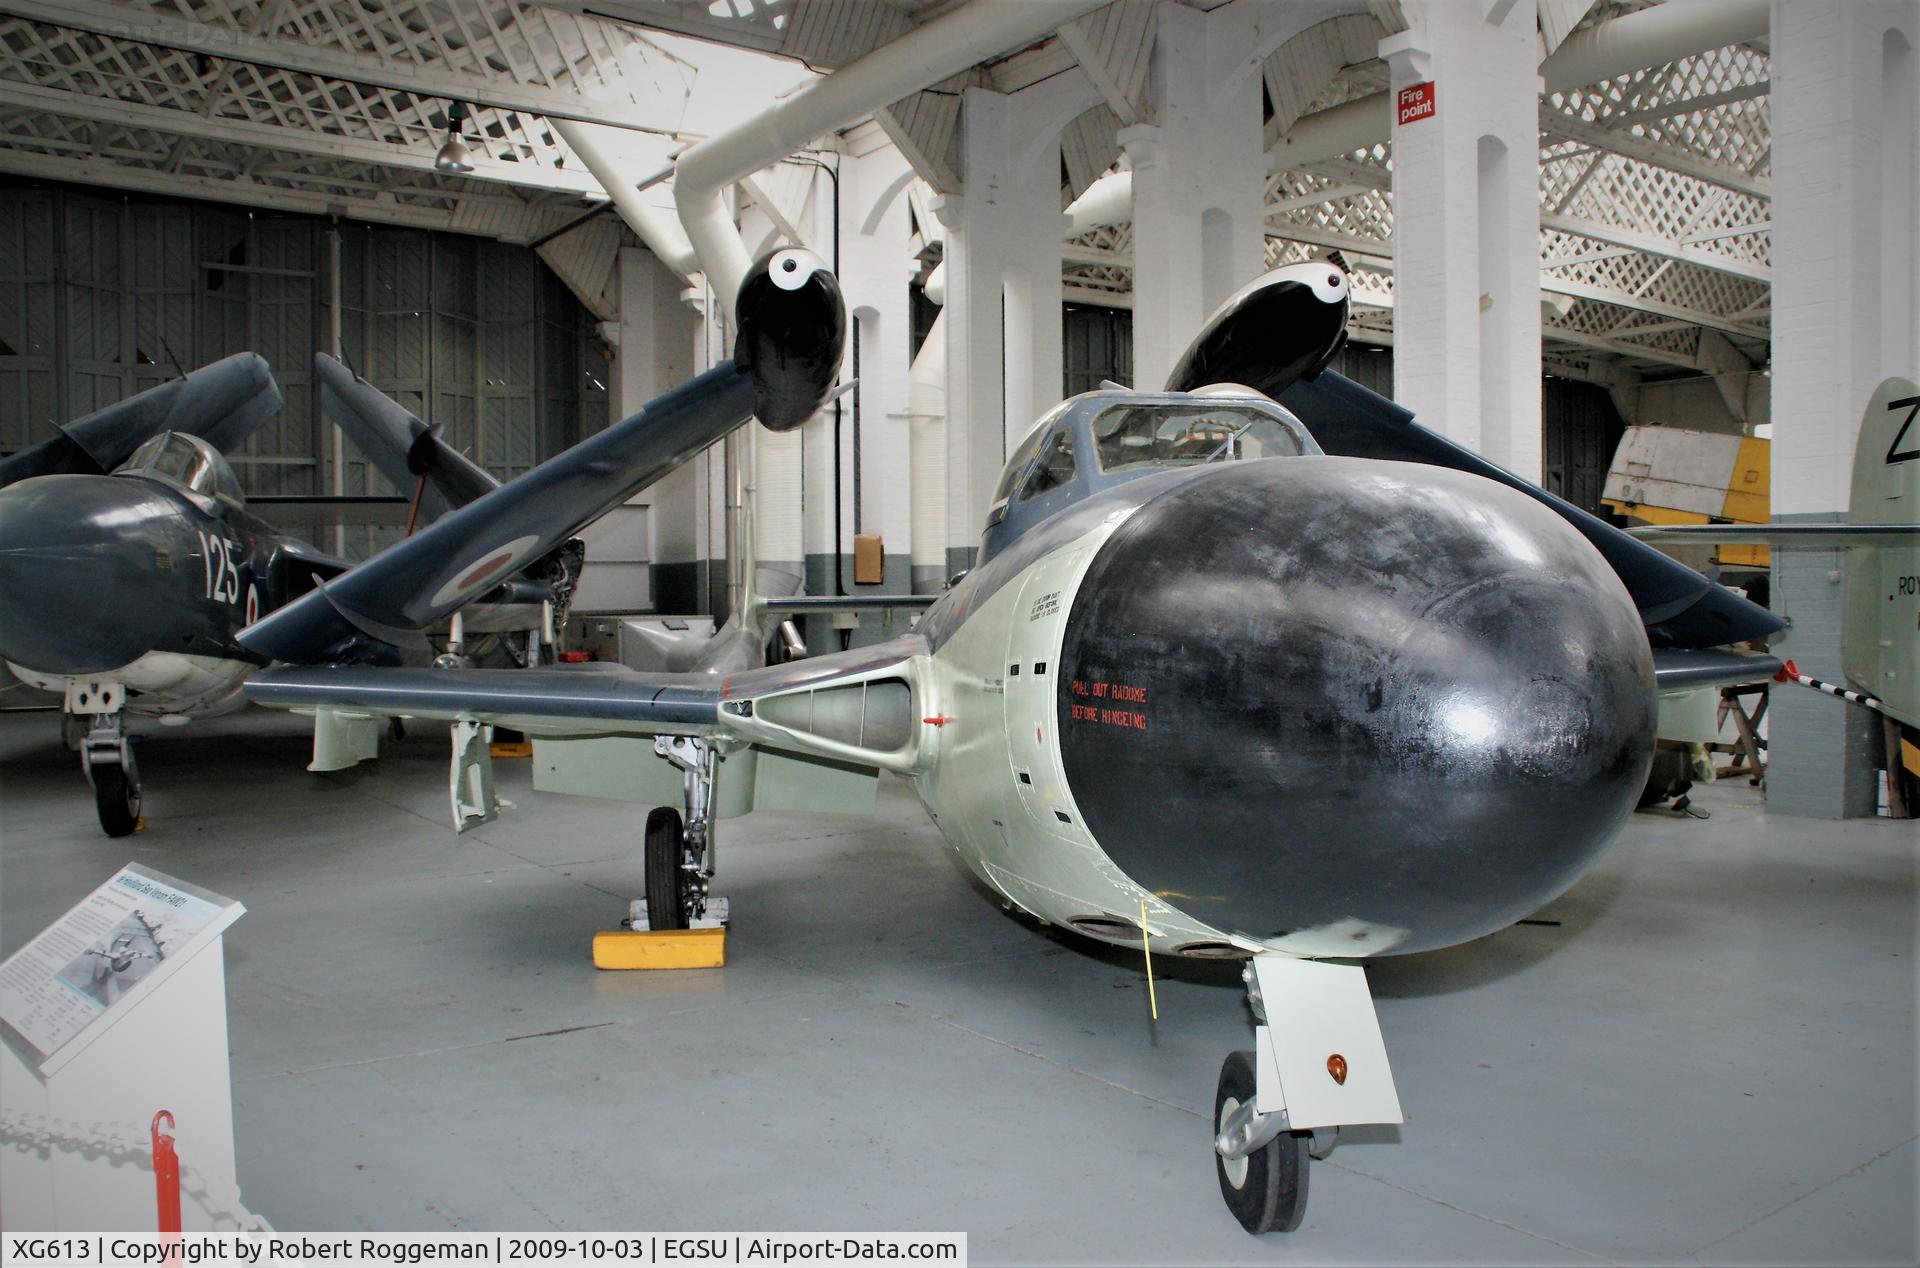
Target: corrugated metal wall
x,y
101,294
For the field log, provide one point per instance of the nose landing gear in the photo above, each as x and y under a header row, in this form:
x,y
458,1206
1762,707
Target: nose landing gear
x,y
1262,1165
106,753
1320,1065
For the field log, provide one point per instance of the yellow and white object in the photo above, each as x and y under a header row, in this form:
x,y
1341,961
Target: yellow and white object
x,y
1673,475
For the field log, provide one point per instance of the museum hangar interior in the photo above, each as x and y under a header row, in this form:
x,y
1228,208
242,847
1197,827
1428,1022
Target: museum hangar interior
x,y
1355,657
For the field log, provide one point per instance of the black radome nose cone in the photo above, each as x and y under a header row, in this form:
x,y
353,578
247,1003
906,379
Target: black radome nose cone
x,y
69,592
1354,707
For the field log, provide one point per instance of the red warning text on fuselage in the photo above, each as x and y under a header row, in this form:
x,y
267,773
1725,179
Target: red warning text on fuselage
x,y
1101,696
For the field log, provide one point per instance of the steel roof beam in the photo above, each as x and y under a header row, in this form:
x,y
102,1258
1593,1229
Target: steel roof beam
x,y
144,26
269,136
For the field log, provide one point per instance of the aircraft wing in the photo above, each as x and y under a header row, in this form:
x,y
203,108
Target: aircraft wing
x,y
792,329
1272,336
859,706
1680,607
387,600
579,700
222,403
401,446
1675,668
1828,535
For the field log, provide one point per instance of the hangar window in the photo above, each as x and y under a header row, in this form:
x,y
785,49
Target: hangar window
x,y
1054,469
1176,435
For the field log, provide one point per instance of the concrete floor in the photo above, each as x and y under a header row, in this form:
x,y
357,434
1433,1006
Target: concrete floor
x,y
1708,1056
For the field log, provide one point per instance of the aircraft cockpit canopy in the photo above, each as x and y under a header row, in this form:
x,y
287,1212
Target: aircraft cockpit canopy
x,y
186,461
1179,435
1096,440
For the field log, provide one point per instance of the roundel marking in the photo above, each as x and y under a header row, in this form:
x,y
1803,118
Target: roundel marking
x,y
492,565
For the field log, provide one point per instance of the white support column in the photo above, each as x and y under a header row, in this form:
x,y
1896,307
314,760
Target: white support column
x,y
1467,226
1846,314
685,336
874,231
976,373
649,339
636,375
1003,286
1199,171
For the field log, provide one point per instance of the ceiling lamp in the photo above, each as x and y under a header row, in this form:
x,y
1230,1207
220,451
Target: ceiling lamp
x,y
452,158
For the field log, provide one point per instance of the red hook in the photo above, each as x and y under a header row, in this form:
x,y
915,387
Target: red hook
x,y
166,1175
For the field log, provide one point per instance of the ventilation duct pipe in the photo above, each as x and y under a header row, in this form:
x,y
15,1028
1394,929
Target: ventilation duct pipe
x,y
654,227
962,37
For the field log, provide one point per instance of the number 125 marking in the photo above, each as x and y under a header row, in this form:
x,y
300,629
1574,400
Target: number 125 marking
x,y
223,578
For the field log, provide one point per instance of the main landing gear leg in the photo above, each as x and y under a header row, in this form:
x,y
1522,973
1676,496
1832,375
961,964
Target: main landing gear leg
x,y
680,854
1320,1065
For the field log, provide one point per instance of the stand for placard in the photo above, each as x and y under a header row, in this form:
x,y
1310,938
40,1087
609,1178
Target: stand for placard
x,y
114,1012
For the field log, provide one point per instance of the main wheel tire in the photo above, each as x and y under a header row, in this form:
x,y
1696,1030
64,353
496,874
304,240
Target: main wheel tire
x,y
1266,1190
667,882
117,798
1668,777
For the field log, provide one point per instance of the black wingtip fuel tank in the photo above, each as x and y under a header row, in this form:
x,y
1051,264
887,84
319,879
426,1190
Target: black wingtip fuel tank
x,y
1366,707
1285,325
791,329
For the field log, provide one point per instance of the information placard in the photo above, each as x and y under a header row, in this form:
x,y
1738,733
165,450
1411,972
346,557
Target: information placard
x,y
108,951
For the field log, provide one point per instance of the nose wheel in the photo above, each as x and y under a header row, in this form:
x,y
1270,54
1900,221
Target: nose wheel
x,y
107,757
1319,1064
1264,1184
117,799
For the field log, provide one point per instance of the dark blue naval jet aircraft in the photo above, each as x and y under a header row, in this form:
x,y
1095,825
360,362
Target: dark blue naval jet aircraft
x,y
129,561
1253,667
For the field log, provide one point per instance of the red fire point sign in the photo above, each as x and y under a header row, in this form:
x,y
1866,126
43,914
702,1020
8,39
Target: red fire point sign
x,y
1416,102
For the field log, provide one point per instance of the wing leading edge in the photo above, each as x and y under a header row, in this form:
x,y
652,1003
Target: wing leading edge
x,y
862,706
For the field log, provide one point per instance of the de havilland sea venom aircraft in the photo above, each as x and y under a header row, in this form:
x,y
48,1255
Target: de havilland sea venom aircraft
x,y
129,556
129,560
1287,680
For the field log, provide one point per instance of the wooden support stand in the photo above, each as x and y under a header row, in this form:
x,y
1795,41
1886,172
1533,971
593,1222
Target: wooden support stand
x,y
1747,745
660,949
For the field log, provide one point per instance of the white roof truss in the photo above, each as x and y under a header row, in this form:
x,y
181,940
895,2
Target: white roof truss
x,y
510,54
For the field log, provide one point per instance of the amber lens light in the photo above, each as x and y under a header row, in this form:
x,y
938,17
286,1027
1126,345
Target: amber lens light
x,y
1337,1067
